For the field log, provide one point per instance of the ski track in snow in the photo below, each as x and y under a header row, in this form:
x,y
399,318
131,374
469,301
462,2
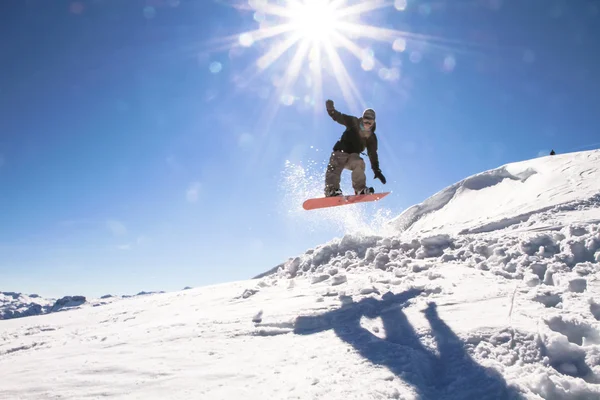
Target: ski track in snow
x,y
507,308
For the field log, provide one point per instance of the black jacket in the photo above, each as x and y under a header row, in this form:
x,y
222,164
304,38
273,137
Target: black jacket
x,y
352,142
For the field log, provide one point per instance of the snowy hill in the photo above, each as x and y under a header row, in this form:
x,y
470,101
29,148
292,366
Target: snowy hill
x,y
556,188
497,301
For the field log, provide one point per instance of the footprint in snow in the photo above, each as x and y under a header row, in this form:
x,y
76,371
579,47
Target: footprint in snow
x,y
570,352
548,298
577,331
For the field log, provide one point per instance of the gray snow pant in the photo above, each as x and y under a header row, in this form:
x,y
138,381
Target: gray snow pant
x,y
340,161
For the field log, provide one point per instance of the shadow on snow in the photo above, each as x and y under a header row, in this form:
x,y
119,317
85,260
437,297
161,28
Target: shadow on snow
x,y
449,374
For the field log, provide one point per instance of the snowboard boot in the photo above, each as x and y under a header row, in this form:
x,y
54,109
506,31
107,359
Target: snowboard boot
x,y
366,190
333,192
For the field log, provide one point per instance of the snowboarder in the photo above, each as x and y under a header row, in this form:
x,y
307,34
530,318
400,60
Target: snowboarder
x,y
359,134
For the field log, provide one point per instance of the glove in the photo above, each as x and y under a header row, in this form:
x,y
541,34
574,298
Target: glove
x,y
379,175
329,106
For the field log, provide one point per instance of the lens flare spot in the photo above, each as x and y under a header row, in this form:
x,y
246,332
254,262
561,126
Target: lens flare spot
x,y
416,57
368,64
384,74
246,39
389,74
287,99
215,67
449,63
368,60
149,12
400,5
262,63
259,16
399,45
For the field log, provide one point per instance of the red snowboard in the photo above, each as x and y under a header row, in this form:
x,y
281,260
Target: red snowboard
x,y
334,201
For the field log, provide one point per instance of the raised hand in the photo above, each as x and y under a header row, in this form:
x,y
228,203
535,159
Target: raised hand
x,y
379,175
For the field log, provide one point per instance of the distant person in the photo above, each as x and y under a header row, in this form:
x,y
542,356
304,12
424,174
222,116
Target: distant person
x,y
359,134
552,152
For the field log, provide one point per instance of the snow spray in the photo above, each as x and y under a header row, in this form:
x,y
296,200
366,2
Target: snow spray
x,y
307,180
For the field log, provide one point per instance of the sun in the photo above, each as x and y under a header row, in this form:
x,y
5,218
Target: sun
x,y
318,39
314,20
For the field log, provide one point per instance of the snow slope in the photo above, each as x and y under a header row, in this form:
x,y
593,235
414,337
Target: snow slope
x,y
479,309
509,196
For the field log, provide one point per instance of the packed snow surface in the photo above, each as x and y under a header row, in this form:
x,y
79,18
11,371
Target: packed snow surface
x,y
501,302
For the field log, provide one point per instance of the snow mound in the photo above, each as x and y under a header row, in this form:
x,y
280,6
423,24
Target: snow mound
x,y
508,196
550,258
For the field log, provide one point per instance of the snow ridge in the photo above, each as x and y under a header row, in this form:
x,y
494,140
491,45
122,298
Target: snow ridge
x,y
476,182
510,195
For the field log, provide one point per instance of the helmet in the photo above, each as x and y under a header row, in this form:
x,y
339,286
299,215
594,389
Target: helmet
x,y
369,113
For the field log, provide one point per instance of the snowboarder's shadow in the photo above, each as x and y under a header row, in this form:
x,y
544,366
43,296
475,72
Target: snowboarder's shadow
x,y
449,373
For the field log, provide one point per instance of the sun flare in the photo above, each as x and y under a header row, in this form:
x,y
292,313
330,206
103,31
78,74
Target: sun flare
x,y
313,42
314,20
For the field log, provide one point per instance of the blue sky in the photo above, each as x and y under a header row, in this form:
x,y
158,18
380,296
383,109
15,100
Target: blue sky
x,y
140,149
